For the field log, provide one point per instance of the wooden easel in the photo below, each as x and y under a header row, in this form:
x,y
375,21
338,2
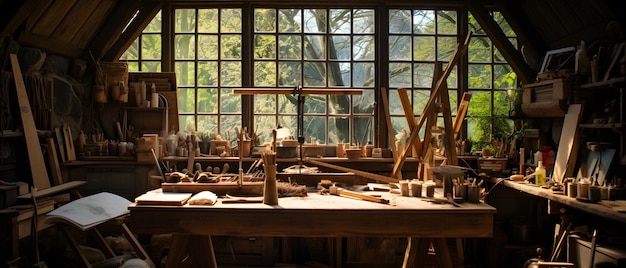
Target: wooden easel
x,y
430,106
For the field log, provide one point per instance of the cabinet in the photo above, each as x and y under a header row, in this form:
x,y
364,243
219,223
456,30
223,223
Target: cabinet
x,y
604,117
141,121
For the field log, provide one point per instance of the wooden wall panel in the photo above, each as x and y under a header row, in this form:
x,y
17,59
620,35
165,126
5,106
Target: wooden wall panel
x,y
88,30
37,12
79,15
51,19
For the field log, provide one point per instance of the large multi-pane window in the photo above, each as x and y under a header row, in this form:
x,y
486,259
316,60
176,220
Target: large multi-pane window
x,y
418,39
489,80
144,54
208,65
315,48
217,49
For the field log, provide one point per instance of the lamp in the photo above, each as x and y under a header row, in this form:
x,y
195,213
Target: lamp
x,y
279,132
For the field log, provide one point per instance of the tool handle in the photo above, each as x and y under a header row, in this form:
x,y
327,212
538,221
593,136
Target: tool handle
x,y
343,192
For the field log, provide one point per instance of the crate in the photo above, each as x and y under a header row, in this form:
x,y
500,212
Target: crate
x,y
492,166
546,98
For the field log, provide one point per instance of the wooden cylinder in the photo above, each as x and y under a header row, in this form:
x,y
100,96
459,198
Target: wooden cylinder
x,y
270,190
99,94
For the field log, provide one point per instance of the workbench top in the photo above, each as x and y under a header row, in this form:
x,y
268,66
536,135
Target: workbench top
x,y
318,215
605,208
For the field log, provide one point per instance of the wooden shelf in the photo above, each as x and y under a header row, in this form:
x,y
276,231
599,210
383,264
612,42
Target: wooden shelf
x,y
605,208
17,134
611,83
616,125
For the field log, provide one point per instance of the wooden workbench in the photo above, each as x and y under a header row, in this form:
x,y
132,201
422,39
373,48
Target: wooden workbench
x,y
605,208
312,216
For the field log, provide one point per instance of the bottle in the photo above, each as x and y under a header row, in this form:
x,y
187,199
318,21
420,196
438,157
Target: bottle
x,y
583,64
540,174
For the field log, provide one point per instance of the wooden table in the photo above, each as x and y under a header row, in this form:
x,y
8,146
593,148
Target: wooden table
x,y
313,216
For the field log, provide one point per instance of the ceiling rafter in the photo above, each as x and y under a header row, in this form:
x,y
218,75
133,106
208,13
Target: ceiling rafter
x,y
112,28
144,17
524,72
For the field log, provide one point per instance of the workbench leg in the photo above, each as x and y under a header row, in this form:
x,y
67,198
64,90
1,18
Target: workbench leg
x,y
442,252
416,252
191,251
337,252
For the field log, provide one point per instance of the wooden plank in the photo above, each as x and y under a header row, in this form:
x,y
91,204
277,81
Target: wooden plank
x,y
37,12
568,144
69,143
449,138
52,17
614,61
65,187
305,91
61,141
392,144
50,45
57,178
78,15
458,51
368,175
35,156
88,30
461,111
410,118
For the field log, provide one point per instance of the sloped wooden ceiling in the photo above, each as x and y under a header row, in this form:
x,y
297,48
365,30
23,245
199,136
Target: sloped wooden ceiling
x,y
101,28
74,28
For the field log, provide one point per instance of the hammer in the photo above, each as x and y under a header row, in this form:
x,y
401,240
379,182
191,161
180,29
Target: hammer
x,y
334,190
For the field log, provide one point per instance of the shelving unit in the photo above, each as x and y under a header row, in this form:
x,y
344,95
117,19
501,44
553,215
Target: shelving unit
x,y
605,113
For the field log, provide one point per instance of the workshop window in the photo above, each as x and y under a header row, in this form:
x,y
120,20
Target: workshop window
x,y
490,80
315,48
144,54
208,65
417,40
213,53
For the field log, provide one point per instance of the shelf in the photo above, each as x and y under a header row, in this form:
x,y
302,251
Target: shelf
x,y
616,125
17,134
611,83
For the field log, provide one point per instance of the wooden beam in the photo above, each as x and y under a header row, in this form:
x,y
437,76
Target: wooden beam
x,y
23,13
111,30
89,32
365,174
146,13
410,118
534,47
305,91
33,146
461,111
50,45
385,100
499,39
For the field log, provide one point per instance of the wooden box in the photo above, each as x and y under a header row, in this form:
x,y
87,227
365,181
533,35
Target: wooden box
x,y
547,98
492,166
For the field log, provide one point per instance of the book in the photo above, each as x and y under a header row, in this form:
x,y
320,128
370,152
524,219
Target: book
x,y
158,197
90,211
